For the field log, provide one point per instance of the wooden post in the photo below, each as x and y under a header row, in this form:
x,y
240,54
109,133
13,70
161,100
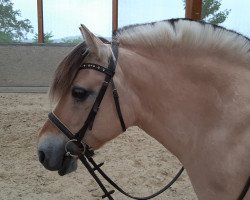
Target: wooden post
x,y
193,9
40,21
114,15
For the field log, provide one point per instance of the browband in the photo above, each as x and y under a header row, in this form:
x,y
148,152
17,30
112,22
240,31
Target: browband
x,y
98,68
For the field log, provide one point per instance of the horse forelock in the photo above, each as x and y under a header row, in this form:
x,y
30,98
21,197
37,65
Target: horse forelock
x,y
66,72
185,34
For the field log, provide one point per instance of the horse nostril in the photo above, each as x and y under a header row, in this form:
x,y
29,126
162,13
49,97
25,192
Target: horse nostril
x,y
41,156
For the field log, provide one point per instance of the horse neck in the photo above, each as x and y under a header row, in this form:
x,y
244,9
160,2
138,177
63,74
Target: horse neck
x,y
166,101
192,102
148,79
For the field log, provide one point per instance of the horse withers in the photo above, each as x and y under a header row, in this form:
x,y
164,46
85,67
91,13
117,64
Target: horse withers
x,y
185,83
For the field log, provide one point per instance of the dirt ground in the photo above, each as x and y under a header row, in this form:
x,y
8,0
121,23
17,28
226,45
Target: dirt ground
x,y
134,160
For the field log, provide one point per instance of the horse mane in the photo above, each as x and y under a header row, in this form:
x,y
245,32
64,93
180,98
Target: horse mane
x,y
186,34
183,33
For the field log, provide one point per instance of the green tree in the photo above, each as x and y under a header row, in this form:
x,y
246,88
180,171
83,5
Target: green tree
x,y
12,29
211,11
47,38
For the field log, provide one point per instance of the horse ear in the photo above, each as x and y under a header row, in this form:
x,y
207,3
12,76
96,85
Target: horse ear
x,y
92,41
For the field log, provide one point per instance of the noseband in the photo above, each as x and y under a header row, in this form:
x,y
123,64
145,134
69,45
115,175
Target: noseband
x,y
85,153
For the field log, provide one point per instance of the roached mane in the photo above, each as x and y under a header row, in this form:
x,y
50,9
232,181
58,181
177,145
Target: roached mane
x,y
183,33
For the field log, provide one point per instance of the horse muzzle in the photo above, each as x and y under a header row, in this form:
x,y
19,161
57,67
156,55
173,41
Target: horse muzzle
x,y
52,154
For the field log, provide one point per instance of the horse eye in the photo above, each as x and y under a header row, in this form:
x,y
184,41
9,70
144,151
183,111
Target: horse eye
x,y
79,94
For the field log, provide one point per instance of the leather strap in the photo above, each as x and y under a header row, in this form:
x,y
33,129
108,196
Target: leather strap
x,y
56,121
97,67
117,105
245,189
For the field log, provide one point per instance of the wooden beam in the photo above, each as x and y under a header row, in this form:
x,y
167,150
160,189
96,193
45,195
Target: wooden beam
x,y
114,15
40,21
193,9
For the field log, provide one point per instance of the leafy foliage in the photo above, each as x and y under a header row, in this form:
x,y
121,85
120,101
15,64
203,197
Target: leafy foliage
x,y
12,29
210,12
47,38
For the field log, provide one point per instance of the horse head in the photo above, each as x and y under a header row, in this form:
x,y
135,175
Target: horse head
x,y
75,90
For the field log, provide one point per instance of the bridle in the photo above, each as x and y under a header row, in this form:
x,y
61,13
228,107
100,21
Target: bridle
x,y
85,153
109,72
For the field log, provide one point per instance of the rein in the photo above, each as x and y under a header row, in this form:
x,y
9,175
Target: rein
x,y
85,153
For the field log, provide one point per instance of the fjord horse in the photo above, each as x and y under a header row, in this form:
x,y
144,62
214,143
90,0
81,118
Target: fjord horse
x,y
185,83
